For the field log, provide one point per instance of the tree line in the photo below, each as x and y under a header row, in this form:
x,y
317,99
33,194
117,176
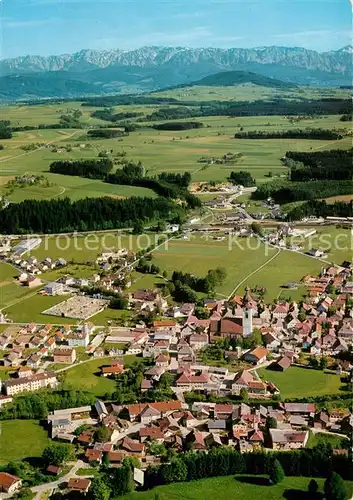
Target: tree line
x,y
319,208
172,186
287,192
37,405
334,164
316,462
5,129
92,168
109,115
105,133
178,126
88,214
307,133
242,178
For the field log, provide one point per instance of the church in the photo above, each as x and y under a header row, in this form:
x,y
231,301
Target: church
x,y
238,321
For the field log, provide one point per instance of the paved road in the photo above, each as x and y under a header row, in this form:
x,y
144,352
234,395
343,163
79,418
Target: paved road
x,y
49,487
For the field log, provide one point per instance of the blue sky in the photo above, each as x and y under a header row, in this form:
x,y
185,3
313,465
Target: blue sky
x,y
63,26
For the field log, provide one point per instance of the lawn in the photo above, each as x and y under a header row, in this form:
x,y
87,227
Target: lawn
x,y
231,487
318,438
299,382
86,377
31,439
88,472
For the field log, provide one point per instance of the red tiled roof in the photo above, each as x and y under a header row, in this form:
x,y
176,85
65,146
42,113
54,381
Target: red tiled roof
x,y
160,406
151,432
116,456
133,446
7,480
112,369
163,324
81,484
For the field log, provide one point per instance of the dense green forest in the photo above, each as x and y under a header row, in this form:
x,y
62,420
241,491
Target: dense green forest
x,y
93,169
302,107
320,208
105,133
89,214
334,164
242,178
287,192
178,126
109,115
5,129
308,133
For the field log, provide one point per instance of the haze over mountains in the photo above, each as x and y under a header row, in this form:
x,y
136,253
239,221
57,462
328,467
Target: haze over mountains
x,y
151,68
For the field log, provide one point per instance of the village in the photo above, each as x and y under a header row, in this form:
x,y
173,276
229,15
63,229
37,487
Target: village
x,y
251,337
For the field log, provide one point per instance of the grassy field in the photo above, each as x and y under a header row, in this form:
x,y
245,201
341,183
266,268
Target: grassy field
x,y
30,309
302,382
231,487
158,150
86,377
10,290
287,266
239,261
82,249
31,439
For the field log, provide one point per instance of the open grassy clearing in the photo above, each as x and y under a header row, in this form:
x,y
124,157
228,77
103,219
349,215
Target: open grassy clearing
x,y
86,377
297,382
243,487
31,439
286,267
199,255
30,310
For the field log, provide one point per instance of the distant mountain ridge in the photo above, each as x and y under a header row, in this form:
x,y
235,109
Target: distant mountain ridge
x,y
153,68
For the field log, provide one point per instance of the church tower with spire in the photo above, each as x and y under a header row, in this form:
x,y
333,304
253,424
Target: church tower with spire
x,y
248,311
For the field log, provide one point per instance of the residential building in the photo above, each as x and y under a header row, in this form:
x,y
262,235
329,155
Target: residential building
x,y
288,439
30,384
54,288
9,483
64,355
78,339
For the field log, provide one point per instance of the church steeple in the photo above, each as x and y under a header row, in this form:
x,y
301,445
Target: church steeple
x,y
248,310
